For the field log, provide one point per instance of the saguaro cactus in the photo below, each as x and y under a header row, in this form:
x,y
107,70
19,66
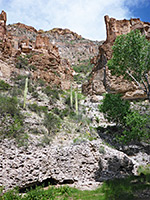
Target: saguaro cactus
x,y
76,102
71,98
25,92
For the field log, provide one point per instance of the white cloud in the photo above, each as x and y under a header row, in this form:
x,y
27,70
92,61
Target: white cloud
x,y
86,17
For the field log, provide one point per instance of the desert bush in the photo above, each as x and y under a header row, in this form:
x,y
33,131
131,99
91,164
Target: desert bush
x,y
9,105
4,86
52,122
22,62
37,109
11,120
61,113
54,93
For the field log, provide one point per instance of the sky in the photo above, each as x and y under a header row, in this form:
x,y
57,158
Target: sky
x,y
85,17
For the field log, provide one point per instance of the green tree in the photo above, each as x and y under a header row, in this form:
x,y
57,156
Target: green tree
x,y
115,108
131,58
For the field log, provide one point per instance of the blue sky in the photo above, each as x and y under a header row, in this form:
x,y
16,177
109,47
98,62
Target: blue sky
x,y
85,17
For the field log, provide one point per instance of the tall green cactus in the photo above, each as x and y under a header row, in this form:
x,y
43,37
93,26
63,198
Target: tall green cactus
x,y
71,97
25,92
76,103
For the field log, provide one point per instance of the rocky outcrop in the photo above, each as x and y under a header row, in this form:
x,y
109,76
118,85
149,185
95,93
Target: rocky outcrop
x,y
71,46
24,26
44,56
84,165
3,19
101,80
60,31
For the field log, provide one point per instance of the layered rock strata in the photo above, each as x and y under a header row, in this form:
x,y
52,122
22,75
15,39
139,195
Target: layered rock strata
x,y
101,80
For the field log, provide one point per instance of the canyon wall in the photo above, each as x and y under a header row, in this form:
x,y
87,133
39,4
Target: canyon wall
x,y
101,80
42,55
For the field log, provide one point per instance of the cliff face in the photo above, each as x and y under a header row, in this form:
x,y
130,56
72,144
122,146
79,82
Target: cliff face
x,y
59,49
101,79
43,55
3,19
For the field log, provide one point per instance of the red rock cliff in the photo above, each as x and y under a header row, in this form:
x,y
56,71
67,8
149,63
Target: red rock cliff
x,y
3,19
101,79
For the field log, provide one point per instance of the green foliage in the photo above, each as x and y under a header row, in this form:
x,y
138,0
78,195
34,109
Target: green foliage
x,y
4,86
61,113
131,59
22,62
117,189
54,93
11,120
78,79
114,108
32,67
134,127
80,96
52,122
9,105
37,109
83,68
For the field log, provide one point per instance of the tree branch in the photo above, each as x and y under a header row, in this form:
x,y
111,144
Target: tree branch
x,y
147,81
144,85
135,80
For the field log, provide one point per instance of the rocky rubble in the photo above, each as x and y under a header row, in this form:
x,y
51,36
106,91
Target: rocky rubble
x,y
84,165
101,80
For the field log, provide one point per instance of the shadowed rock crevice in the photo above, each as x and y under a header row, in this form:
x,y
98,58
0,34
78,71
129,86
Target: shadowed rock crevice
x,y
44,183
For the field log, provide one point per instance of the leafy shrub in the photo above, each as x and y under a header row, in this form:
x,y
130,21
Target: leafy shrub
x,y
134,127
61,113
38,109
4,86
132,123
11,120
115,108
35,94
9,105
52,123
54,93
15,91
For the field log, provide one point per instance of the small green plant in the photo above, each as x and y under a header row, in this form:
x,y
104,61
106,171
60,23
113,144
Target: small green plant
x,y
22,62
37,109
54,93
4,86
32,67
102,149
